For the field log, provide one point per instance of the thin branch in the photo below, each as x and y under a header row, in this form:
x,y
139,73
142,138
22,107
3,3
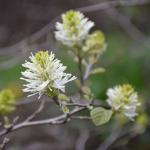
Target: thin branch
x,y
8,127
89,104
3,145
52,121
125,22
111,4
83,137
116,134
80,69
76,104
110,140
81,117
87,71
32,116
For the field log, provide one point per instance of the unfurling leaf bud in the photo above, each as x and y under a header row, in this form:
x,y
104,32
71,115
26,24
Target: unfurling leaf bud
x,y
100,115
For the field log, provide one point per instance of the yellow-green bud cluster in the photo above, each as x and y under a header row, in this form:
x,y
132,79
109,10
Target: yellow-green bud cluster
x,y
41,56
95,43
7,101
71,20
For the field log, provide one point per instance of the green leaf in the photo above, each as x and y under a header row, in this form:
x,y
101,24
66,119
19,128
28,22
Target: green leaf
x,y
100,115
98,70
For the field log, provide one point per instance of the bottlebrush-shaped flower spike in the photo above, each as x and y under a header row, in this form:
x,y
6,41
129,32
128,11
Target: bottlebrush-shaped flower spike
x,y
45,74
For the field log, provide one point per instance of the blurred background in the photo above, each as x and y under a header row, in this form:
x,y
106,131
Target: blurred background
x,y
28,26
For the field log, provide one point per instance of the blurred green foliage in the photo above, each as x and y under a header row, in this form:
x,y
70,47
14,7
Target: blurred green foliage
x,y
10,75
122,66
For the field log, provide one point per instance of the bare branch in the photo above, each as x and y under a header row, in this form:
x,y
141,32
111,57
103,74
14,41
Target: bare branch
x,y
5,141
111,4
127,25
116,134
81,141
32,116
81,117
110,140
76,104
52,121
87,71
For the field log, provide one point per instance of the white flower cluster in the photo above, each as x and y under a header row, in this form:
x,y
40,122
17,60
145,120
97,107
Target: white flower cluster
x,y
73,29
123,99
44,74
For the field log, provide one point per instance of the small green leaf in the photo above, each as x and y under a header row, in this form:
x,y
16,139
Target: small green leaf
x,y
78,83
100,115
86,90
65,109
63,97
98,70
86,97
90,107
7,123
